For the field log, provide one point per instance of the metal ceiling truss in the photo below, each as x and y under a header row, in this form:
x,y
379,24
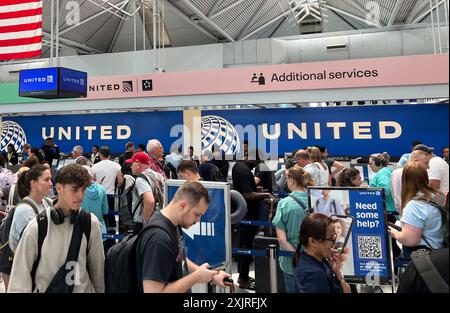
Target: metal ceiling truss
x,y
356,17
118,11
121,5
73,44
206,19
302,9
394,14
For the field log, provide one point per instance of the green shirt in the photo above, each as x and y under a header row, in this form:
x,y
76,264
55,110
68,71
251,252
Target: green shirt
x,y
382,179
289,217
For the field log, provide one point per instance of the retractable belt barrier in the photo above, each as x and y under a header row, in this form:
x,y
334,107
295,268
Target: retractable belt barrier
x,y
259,253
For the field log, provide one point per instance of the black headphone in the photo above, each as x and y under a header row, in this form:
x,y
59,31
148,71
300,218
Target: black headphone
x,y
376,160
57,216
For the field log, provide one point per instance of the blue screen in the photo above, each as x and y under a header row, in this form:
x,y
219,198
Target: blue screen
x,y
35,80
72,81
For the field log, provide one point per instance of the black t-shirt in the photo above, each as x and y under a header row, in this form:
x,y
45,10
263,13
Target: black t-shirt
x,y
263,172
204,171
126,168
162,255
244,181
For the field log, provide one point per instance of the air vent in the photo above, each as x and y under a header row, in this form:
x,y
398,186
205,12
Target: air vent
x,y
195,18
337,46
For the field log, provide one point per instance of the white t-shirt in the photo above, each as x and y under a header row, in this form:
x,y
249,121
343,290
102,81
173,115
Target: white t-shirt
x,y
323,174
439,171
105,174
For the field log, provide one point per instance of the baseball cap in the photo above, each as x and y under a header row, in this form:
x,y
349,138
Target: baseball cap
x,y
140,157
424,148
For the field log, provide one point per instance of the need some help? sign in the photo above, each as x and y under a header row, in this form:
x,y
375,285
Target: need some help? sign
x,y
207,241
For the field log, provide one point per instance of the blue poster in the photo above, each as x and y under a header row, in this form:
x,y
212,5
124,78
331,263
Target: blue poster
x,y
205,241
369,237
345,131
368,258
111,129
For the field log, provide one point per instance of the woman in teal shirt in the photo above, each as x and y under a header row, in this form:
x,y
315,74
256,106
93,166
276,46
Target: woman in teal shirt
x,y
289,216
379,164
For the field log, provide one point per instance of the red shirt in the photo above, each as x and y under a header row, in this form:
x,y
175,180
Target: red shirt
x,y
157,167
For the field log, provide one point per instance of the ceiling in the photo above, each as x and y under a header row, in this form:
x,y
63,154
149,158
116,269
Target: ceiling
x,y
108,25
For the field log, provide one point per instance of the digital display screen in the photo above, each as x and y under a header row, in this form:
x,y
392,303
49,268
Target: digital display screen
x,y
53,83
38,81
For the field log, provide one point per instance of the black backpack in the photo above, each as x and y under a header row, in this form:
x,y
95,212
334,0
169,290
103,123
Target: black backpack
x,y
429,271
6,254
122,262
216,174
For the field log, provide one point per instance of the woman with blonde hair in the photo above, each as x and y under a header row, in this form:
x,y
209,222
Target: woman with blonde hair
x,y
290,213
316,159
421,220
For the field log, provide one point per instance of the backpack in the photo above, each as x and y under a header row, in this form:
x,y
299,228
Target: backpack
x,y
126,211
427,270
216,174
59,284
6,254
125,202
122,262
445,219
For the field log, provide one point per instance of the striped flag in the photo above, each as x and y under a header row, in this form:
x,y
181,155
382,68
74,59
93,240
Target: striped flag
x,y
20,29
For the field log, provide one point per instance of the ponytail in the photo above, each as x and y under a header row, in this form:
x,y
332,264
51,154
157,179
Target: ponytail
x,y
296,257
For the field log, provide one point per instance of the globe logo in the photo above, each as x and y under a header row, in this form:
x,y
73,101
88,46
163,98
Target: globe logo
x,y
216,131
11,132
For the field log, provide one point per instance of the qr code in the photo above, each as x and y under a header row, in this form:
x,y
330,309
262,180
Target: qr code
x,y
369,247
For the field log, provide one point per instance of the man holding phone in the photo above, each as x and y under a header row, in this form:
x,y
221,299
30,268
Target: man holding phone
x,y
164,266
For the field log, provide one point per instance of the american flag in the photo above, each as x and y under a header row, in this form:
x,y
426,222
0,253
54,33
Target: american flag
x,y
20,29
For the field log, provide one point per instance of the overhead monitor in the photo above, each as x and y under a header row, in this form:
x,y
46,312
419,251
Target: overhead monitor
x,y
52,83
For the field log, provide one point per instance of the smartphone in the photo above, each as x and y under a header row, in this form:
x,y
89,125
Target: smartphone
x,y
343,225
392,225
216,266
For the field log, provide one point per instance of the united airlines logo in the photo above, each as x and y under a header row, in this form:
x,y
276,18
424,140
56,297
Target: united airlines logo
x,y
218,132
12,133
127,86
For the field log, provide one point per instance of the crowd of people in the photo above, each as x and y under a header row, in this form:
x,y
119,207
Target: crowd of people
x,y
38,194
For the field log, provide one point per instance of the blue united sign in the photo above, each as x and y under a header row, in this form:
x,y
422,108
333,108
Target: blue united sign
x,y
112,129
53,83
345,131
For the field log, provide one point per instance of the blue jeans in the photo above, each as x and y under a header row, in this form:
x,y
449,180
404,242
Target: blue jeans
x,y
289,282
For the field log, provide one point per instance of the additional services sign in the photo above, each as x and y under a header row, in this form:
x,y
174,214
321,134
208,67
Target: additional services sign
x,y
375,72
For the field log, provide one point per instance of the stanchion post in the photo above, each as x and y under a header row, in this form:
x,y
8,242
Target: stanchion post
x,y
391,259
273,268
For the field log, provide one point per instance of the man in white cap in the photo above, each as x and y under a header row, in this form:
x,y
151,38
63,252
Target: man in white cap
x,y
437,168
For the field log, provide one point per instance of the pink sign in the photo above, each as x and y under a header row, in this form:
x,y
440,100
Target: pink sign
x,y
391,71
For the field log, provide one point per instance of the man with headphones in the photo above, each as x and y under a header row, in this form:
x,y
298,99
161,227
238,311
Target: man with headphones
x,y
61,250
